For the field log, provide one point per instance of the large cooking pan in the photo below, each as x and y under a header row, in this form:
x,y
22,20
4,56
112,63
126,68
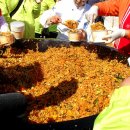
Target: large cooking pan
x,y
42,45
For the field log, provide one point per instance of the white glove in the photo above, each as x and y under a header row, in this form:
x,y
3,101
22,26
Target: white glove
x,y
92,13
5,28
114,35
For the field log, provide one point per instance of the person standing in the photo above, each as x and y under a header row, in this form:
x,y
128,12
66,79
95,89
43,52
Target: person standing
x,y
65,10
119,8
110,22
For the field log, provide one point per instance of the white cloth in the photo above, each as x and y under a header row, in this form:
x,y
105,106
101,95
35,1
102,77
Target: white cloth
x,y
67,10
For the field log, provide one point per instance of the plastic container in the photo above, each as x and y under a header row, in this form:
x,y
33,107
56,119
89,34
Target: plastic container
x,y
17,29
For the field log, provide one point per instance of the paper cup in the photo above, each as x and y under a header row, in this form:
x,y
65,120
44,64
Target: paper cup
x,y
79,35
17,29
74,36
98,35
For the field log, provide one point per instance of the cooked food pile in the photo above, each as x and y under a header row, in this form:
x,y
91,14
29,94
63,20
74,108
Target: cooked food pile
x,y
72,24
61,83
75,34
97,26
5,33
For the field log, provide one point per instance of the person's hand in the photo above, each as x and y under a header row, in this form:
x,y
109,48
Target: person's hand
x,y
92,14
83,34
5,28
54,20
114,35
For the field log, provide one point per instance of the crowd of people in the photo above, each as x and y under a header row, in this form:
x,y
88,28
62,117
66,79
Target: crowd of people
x,y
34,16
41,14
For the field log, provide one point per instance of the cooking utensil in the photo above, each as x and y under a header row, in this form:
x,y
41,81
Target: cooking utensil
x,y
78,124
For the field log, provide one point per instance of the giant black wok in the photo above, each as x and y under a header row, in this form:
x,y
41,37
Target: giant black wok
x,y
42,45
